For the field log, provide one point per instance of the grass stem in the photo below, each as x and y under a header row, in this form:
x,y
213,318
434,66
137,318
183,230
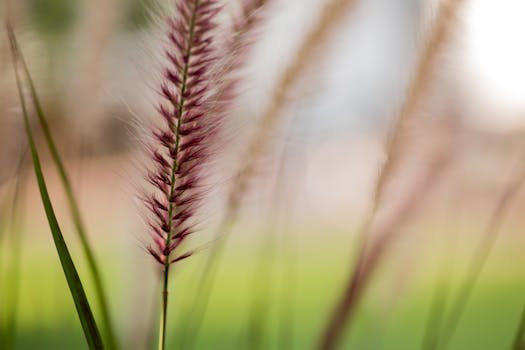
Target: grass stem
x,y
519,340
164,311
367,261
482,252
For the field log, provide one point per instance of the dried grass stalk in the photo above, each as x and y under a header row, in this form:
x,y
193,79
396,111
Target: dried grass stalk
x,y
331,16
367,258
482,251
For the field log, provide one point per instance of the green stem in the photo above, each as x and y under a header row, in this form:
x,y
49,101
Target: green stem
x,y
519,341
164,311
13,274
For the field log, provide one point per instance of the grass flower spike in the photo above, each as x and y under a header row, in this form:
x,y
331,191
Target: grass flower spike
x,y
184,143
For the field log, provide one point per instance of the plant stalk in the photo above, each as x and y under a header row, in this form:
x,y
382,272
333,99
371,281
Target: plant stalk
x,y
519,341
164,310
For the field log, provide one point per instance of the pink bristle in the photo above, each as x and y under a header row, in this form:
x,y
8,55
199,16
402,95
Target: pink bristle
x,y
182,146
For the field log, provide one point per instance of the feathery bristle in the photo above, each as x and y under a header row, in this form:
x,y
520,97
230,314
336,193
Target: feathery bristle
x,y
183,144
235,50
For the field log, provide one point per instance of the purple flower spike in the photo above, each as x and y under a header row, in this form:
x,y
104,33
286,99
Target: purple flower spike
x,y
182,146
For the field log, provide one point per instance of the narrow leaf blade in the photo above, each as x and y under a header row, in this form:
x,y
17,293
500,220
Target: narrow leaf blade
x,y
76,216
83,308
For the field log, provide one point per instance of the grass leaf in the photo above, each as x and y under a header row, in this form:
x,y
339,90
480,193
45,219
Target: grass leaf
x,y
14,254
482,251
519,341
73,207
75,285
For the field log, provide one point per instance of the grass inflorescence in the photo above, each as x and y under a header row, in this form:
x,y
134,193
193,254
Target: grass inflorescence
x,y
205,54
185,141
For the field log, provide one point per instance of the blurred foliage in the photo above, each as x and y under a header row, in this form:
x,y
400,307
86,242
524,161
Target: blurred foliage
x,y
138,11
58,17
53,17
48,321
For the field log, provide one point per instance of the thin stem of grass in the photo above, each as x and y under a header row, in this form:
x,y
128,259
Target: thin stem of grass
x,y
3,297
4,264
10,237
289,248
163,312
205,286
261,292
331,16
267,256
15,250
359,274
372,250
519,340
438,305
436,316
482,252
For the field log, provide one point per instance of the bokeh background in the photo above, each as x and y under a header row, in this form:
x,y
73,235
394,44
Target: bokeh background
x,y
96,64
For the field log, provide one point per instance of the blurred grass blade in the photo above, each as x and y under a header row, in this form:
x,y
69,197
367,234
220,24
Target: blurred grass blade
x,y
265,273
258,313
3,233
482,252
75,285
519,341
435,316
9,256
73,207
440,298
15,253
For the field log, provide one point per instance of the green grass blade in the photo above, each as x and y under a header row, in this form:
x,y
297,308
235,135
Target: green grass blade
x,y
74,209
519,341
206,282
435,316
8,256
482,252
75,285
15,257
3,251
